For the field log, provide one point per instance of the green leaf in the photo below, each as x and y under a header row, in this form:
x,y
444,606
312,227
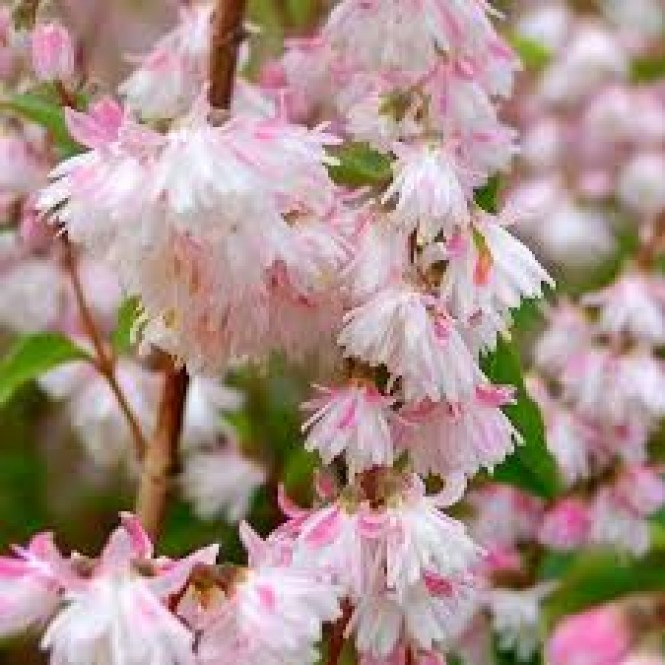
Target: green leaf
x,y
128,313
359,165
599,578
487,197
32,356
648,69
532,53
45,112
531,467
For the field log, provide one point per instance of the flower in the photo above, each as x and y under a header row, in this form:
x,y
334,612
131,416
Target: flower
x,y
30,585
461,437
355,420
428,191
52,52
221,482
118,615
566,525
516,618
596,637
273,616
395,329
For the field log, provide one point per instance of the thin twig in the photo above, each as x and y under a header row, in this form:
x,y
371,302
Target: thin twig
x,y
105,360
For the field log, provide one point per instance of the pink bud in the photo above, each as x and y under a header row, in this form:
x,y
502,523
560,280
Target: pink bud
x,y
52,53
597,637
566,525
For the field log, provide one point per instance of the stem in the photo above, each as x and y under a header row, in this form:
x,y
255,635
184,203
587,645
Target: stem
x,y
161,457
105,361
227,34
337,638
160,460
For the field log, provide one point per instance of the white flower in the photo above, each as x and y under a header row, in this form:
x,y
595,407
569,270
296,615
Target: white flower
x,y
118,616
641,186
354,420
633,305
221,483
274,616
463,437
516,618
420,540
428,191
425,350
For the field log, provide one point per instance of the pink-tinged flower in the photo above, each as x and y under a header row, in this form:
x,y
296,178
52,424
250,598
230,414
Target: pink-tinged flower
x,y
221,482
569,333
400,656
430,615
22,167
642,489
169,78
462,437
30,585
208,401
272,616
422,541
118,614
633,305
597,637
424,349
516,618
32,295
566,525
428,191
339,541
640,188
53,57
615,523
514,272
504,516
617,386
381,256
354,420
593,58
99,126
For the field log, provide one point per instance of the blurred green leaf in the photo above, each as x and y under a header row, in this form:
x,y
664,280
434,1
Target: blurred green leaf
x,y
532,53
487,197
39,109
32,356
648,69
360,165
531,467
128,312
603,577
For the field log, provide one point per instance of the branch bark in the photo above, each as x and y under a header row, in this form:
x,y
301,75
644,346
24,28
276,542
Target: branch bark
x,y
161,458
227,35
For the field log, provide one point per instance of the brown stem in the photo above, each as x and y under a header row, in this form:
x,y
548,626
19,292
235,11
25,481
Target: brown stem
x,y
160,459
105,361
337,639
227,34
161,456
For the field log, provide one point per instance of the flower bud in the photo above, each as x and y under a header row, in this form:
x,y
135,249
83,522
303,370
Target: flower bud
x,y
52,52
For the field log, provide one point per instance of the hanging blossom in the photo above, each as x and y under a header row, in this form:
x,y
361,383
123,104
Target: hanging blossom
x,y
231,232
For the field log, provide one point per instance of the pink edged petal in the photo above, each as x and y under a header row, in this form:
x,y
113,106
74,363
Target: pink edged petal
x,y
140,541
252,542
323,529
173,575
287,506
